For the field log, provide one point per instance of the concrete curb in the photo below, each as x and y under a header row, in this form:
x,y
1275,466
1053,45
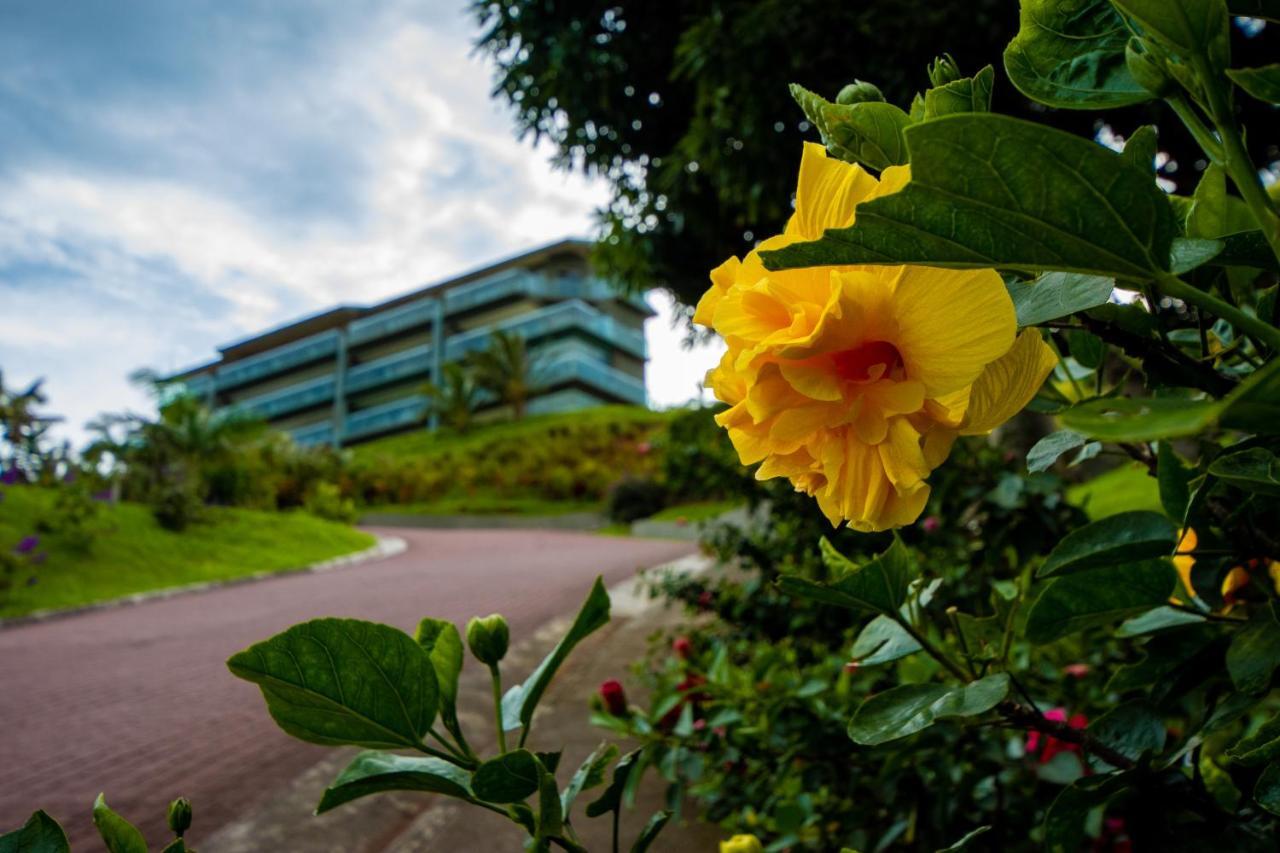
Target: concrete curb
x,y
386,546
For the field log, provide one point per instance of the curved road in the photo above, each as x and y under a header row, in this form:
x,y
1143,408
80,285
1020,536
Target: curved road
x,y
136,701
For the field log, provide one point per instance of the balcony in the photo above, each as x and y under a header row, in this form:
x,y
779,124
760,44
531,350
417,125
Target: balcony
x,y
595,374
398,413
258,367
294,398
313,434
386,323
565,316
392,368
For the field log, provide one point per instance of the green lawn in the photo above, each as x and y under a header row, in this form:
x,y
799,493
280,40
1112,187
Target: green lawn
x,y
131,553
1121,489
489,505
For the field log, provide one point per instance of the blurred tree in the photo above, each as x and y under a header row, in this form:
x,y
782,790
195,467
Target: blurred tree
x,y
25,430
505,369
454,398
683,107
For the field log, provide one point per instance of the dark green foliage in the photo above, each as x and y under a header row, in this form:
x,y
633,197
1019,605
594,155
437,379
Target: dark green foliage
x,y
635,498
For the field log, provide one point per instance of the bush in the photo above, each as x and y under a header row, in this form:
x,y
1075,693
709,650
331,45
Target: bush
x,y
176,506
698,460
634,498
72,516
326,501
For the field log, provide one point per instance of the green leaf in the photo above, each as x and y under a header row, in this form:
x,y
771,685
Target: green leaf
x,y
589,775
611,799
1254,652
1260,746
883,640
650,832
1247,249
966,95
444,645
1047,450
177,845
1133,729
374,772
1190,27
1213,212
880,585
1126,419
909,708
40,834
1174,480
1064,822
869,133
1267,789
509,778
344,682
520,701
1128,536
1055,295
1071,55
963,843
1186,253
119,835
1141,148
1263,82
1254,406
1255,470
992,191
550,821
1100,597
1157,620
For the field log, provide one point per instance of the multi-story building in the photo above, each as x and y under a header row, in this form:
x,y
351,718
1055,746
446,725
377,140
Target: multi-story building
x,y
353,373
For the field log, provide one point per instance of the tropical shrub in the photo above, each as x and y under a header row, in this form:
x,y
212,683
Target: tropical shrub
x,y
635,498
326,501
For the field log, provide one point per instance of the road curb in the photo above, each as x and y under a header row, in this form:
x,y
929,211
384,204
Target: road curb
x,y
386,546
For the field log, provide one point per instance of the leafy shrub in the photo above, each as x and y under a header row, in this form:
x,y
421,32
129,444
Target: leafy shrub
x,y
72,515
176,506
698,461
326,501
634,498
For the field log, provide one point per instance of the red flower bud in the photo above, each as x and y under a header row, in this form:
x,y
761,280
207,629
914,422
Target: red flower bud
x,y
615,699
706,599
931,524
682,646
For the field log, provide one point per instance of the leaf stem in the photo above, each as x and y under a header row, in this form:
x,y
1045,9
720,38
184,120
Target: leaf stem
x,y
1171,285
448,745
932,650
496,677
445,756
1203,135
1236,158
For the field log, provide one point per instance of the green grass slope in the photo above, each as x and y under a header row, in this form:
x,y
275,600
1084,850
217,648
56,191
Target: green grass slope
x,y
130,553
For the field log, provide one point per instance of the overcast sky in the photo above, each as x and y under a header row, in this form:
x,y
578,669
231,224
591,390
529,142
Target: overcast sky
x,y
177,175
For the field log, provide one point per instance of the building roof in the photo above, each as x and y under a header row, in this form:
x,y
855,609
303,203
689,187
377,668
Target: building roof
x,y
343,314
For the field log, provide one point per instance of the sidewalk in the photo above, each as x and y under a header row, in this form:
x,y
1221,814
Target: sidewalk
x,y
409,823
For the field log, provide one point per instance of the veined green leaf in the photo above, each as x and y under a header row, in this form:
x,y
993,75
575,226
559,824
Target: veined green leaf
x,y
1125,537
1190,27
1064,822
589,774
881,584
1055,295
1254,652
1263,82
344,682
118,834
40,834
909,708
375,772
1267,789
650,832
444,645
1071,55
509,778
966,95
869,133
992,191
1256,469
1047,450
1099,597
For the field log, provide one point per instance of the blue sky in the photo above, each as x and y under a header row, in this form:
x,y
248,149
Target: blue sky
x,y
175,175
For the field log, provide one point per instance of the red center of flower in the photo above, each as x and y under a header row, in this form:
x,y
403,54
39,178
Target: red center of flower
x,y
871,360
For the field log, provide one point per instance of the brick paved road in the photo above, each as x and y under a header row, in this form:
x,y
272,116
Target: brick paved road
x,y
136,701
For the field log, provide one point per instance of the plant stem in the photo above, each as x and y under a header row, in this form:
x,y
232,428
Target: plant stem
x,y
933,651
496,677
617,813
1203,136
1171,285
449,757
1236,158
448,745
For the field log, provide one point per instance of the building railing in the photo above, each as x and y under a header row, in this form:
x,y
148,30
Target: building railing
x,y
402,412
278,360
572,314
289,399
595,374
390,322
313,434
391,368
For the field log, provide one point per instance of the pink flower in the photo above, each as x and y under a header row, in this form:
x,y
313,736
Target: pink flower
x,y
931,524
1051,746
615,698
1076,670
682,646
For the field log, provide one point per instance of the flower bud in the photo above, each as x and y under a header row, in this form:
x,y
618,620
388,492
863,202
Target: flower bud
x,y
180,816
859,91
683,647
742,844
1148,69
943,70
488,638
614,697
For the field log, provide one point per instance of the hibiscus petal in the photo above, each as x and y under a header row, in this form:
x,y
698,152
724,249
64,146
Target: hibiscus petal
x,y
951,325
722,279
1009,383
902,457
826,193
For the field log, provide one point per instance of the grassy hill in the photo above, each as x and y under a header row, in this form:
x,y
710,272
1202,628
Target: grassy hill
x,y
130,553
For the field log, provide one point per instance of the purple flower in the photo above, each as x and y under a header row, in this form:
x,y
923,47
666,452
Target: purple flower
x,y
27,545
104,495
11,476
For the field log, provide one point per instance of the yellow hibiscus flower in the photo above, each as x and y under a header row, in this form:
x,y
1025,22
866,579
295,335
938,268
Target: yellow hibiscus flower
x,y
742,844
853,381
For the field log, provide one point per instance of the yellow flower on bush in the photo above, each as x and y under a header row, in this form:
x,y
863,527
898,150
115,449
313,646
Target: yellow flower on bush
x,y
742,844
853,382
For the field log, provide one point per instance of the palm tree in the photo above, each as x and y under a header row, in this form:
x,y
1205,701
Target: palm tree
x,y
506,369
454,398
21,427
